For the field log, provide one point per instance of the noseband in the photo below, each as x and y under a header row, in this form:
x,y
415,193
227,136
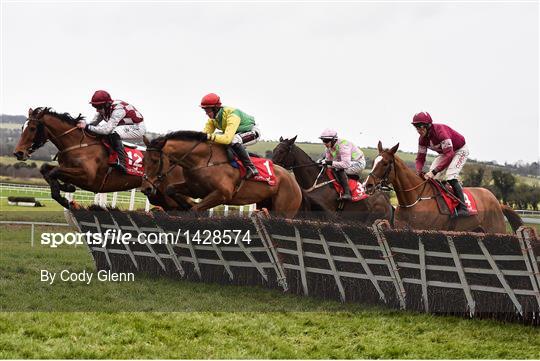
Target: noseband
x,y
41,126
382,182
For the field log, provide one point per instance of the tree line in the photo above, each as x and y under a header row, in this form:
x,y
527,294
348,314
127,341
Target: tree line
x,y
504,185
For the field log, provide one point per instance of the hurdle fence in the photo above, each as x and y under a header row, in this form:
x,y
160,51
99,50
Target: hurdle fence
x,y
437,272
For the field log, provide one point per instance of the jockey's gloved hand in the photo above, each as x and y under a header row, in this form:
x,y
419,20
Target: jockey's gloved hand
x,y
321,161
429,175
328,163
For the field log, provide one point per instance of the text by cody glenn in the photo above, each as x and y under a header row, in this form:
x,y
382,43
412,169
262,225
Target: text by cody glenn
x,y
85,276
117,236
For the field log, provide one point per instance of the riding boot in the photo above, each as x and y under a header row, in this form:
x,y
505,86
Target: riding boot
x,y
242,153
116,144
344,181
458,191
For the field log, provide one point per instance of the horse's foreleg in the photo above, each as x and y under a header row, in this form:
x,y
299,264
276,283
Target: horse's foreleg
x,y
65,174
213,199
179,192
46,170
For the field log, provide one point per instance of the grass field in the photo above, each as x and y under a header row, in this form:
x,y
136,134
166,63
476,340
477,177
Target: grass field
x,y
215,321
165,318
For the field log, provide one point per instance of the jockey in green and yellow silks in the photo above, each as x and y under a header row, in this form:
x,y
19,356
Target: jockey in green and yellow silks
x,y
237,129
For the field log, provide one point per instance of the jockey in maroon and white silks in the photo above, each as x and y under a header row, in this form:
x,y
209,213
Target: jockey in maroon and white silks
x,y
452,149
118,120
123,119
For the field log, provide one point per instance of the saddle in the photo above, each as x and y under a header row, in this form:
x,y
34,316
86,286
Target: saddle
x,y
448,202
134,160
357,189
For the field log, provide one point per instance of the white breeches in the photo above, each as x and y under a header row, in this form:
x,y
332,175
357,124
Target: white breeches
x,y
455,166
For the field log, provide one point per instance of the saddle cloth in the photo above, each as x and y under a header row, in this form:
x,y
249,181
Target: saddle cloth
x,y
357,189
134,160
451,202
264,166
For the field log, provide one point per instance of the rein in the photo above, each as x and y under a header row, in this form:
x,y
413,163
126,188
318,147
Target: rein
x,y
312,164
161,176
34,147
383,181
174,163
315,185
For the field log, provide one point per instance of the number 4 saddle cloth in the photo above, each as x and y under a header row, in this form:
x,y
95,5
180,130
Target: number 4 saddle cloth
x,y
264,166
450,200
134,160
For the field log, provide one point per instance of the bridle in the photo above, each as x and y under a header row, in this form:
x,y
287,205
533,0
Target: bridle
x,y
174,163
383,184
160,174
312,164
292,167
41,126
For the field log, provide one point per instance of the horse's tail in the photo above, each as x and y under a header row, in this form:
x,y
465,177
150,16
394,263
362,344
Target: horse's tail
x,y
513,218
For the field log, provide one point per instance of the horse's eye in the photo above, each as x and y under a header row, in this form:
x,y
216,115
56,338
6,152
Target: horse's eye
x,y
32,128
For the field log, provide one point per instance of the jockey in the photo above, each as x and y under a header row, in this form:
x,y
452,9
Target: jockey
x,y
452,151
118,120
237,128
344,157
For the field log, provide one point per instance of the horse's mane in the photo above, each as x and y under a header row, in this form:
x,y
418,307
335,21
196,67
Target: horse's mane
x,y
159,142
65,117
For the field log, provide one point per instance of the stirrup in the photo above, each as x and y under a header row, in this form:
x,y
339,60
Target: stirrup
x,y
462,213
251,172
118,166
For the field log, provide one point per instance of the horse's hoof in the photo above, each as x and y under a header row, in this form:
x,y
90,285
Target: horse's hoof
x,y
157,209
74,205
70,188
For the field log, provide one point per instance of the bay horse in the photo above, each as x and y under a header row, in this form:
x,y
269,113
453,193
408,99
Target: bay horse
x,y
209,175
324,196
82,158
418,207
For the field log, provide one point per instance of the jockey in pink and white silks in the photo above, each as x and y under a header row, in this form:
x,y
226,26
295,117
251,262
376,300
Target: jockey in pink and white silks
x,y
453,153
345,157
117,119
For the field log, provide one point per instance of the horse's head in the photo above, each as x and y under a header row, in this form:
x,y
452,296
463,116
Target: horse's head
x,y
33,135
380,175
155,164
282,153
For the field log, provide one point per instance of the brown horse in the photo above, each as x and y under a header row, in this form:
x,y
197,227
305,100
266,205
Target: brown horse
x,y
209,175
156,179
323,196
417,200
82,157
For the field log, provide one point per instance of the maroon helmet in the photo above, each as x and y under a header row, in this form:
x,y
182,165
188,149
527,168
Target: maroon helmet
x,y
422,118
100,97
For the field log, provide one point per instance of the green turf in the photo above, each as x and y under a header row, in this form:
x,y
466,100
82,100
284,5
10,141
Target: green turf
x,y
284,326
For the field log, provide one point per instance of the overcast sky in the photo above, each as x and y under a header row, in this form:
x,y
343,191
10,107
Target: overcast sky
x,y
362,68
